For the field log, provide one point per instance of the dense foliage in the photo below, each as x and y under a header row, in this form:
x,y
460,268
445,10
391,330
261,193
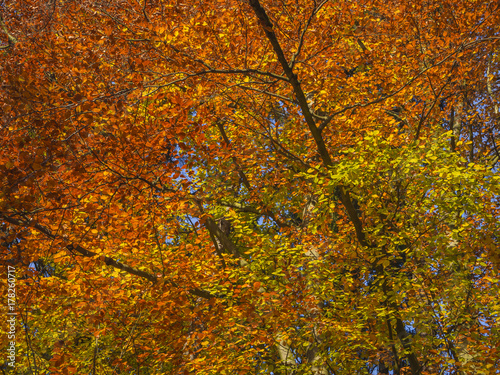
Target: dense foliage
x,y
251,187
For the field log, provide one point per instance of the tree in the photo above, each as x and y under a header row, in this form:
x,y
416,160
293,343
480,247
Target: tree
x,y
229,187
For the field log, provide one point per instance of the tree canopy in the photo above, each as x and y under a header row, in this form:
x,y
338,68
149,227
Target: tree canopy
x,y
251,187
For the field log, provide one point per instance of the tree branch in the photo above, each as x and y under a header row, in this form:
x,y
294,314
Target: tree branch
x,y
301,98
72,248
11,39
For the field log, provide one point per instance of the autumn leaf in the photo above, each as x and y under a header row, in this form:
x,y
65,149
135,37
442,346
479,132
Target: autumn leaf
x,y
250,187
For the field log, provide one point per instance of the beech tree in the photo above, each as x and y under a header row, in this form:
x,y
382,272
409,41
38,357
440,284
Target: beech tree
x,y
257,186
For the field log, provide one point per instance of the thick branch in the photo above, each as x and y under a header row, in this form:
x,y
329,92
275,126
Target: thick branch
x,y
225,242
403,337
416,369
292,78
301,98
